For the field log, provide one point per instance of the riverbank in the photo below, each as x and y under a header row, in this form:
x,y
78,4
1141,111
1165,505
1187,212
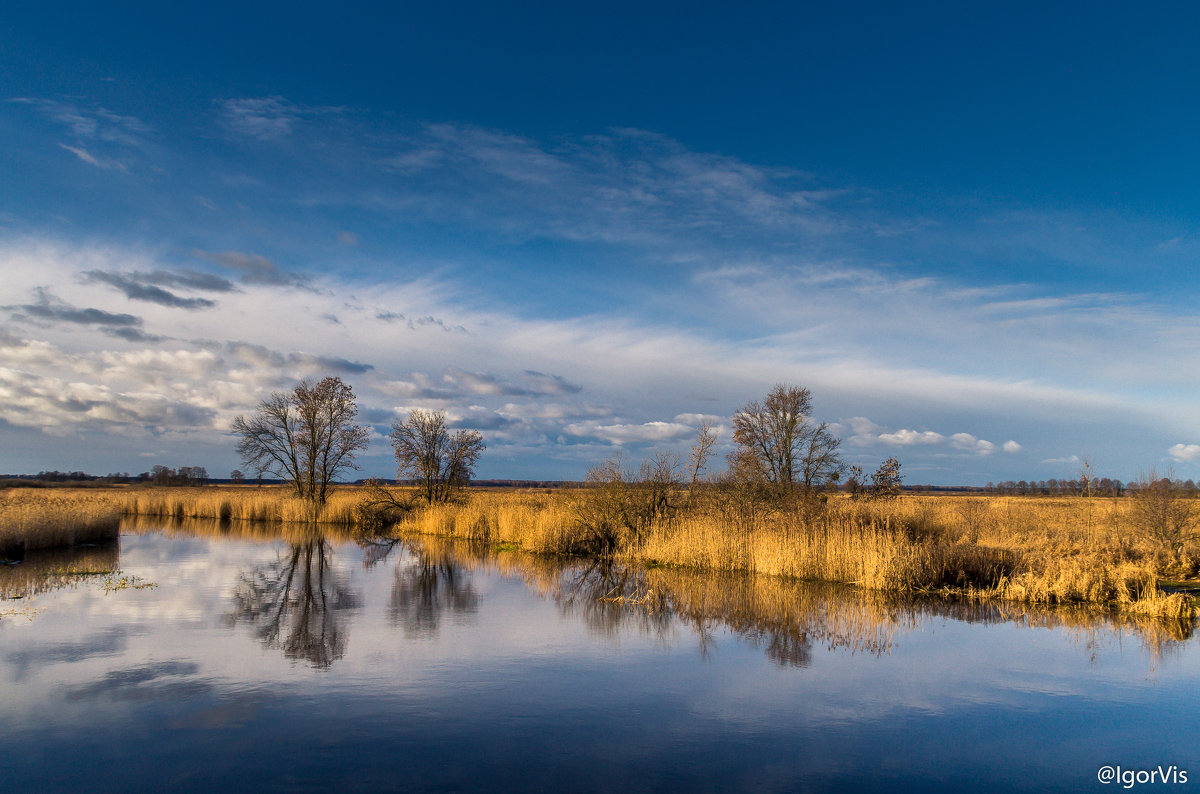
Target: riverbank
x,y
1024,549
1034,550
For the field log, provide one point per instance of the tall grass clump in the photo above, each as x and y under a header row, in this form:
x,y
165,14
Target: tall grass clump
x,y
41,519
1029,550
273,504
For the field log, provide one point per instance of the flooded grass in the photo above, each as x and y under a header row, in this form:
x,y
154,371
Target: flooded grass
x,y
46,570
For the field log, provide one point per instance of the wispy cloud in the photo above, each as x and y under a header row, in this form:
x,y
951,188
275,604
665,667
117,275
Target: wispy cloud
x,y
186,279
626,186
94,123
99,137
415,322
264,118
145,292
49,308
267,119
90,159
255,269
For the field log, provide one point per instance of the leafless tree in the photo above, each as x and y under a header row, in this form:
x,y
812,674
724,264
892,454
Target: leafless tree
x,y
307,437
706,439
779,442
619,506
820,461
1164,513
440,461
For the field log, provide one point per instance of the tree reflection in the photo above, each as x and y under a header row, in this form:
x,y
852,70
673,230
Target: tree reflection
x,y
296,603
426,587
612,595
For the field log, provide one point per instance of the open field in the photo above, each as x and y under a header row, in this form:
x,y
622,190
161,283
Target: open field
x,y
1023,549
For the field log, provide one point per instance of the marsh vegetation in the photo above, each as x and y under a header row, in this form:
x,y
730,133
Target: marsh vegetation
x,y
1025,549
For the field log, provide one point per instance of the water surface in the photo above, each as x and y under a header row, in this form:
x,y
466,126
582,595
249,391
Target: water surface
x,y
293,661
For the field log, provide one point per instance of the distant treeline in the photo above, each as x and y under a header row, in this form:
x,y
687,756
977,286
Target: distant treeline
x,y
1082,486
158,475
493,483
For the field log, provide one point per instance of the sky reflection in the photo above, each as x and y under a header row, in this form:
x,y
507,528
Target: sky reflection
x,y
312,663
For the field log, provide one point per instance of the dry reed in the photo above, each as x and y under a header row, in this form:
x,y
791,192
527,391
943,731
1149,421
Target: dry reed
x,y
1023,549
40,519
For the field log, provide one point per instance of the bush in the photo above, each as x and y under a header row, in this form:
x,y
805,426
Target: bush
x,y
1164,514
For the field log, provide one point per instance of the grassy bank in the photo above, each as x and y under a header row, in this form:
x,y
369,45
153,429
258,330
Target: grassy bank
x,y
782,614
1022,549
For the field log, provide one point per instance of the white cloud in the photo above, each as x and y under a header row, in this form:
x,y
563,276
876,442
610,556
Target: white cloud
x,y
861,425
1011,447
907,438
535,380
968,443
264,118
629,434
695,420
1072,459
914,438
1185,452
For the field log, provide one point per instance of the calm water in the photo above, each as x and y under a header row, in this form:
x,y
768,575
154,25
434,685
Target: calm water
x,y
262,663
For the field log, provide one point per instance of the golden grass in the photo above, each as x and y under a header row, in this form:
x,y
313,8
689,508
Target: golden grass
x,y
40,519
271,504
1024,549
785,616
1021,549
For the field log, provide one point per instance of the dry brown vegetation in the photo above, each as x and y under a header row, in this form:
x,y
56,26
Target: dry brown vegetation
x,y
270,504
784,616
1031,550
40,519
1021,549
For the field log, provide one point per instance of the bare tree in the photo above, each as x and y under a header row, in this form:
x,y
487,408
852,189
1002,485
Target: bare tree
x,y
440,461
619,507
1164,513
706,439
307,437
780,443
821,460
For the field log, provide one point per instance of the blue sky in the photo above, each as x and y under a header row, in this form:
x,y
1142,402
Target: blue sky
x,y
969,229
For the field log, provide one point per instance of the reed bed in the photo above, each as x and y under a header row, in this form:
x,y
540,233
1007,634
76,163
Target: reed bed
x,y
1023,549
39,519
1028,550
271,504
780,613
